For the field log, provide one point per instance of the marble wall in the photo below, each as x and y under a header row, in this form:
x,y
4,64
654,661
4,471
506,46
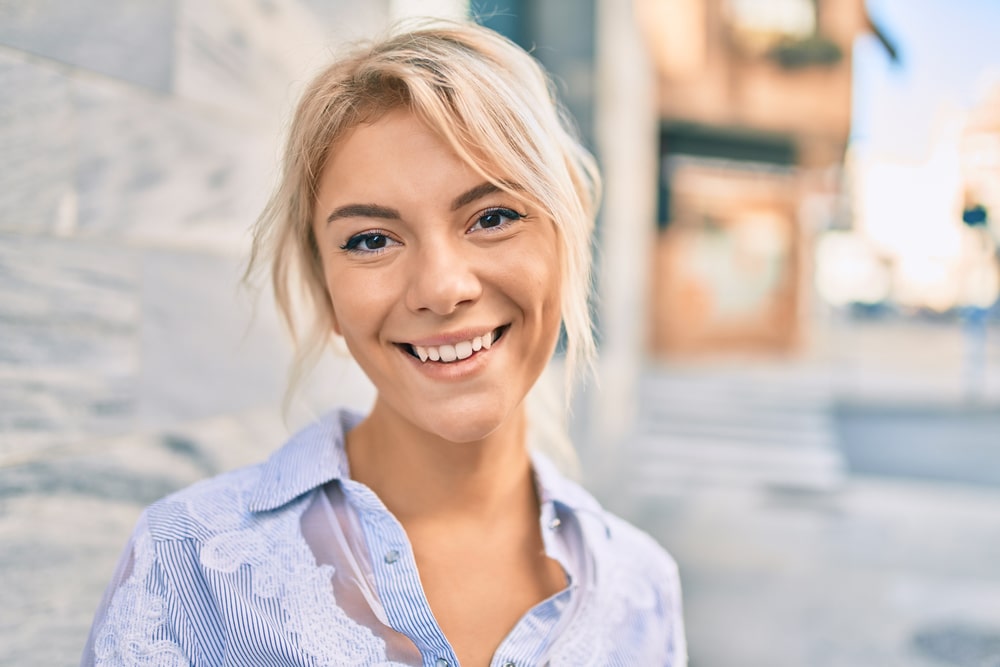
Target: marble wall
x,y
138,142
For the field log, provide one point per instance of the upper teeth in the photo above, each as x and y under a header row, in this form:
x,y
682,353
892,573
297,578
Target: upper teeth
x,y
449,353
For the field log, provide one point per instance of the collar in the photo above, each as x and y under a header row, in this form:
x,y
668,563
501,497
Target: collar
x,y
554,487
315,456
311,458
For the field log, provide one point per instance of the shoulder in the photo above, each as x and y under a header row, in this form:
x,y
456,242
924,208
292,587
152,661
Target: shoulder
x,y
635,547
257,494
636,563
634,567
618,548
209,506
630,610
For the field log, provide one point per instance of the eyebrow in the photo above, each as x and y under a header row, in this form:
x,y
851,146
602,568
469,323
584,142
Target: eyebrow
x,y
472,195
386,213
363,211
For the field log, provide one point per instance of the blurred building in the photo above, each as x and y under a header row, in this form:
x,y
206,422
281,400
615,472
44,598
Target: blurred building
x,y
755,107
979,150
979,155
925,227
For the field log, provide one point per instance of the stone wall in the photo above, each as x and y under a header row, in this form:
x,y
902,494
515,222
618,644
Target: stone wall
x,y
138,142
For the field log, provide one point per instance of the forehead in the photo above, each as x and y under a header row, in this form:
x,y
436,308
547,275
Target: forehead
x,y
398,159
388,154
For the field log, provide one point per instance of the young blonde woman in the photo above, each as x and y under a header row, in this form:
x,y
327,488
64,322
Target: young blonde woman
x,y
435,213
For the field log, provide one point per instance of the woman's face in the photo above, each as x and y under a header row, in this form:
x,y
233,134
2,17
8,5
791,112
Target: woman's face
x,y
445,289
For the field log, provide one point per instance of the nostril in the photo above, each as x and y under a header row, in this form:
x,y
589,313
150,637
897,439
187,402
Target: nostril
x,y
442,284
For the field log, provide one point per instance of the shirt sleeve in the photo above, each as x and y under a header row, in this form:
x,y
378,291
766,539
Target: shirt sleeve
x,y
675,613
139,621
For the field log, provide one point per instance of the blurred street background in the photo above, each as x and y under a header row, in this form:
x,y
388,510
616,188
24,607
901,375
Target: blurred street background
x,y
797,297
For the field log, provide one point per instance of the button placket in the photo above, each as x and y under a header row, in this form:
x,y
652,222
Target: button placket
x,y
397,582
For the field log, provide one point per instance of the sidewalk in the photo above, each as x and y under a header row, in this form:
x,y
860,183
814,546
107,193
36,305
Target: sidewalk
x,y
879,574
789,558
908,363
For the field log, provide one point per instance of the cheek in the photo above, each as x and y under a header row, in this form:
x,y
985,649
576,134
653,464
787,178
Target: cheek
x,y
342,299
552,313
332,303
538,283
348,312
322,273
334,312
549,272
361,300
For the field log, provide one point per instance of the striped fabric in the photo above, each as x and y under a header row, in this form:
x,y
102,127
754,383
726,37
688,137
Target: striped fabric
x,y
293,563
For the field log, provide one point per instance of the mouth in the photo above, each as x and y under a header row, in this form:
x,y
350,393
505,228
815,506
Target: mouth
x,y
447,354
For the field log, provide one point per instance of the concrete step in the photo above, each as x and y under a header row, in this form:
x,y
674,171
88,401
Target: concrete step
x,y
668,465
818,433
746,427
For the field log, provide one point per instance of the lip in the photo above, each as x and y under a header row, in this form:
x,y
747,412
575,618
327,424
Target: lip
x,y
453,337
460,368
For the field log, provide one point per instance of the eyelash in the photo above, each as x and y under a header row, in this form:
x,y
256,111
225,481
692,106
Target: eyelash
x,y
508,215
352,243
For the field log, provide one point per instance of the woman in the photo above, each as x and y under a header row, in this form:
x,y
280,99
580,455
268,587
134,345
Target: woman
x,y
434,213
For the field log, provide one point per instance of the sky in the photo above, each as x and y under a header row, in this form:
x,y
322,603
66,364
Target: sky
x,y
946,48
906,124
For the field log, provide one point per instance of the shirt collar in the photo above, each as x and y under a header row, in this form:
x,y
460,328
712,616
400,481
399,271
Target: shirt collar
x,y
311,458
554,487
315,455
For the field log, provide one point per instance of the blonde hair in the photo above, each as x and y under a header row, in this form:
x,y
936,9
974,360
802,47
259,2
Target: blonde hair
x,y
497,109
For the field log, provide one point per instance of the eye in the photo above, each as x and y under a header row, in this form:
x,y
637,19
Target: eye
x,y
369,242
495,218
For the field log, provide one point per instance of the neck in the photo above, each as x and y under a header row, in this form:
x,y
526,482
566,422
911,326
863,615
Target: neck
x,y
421,476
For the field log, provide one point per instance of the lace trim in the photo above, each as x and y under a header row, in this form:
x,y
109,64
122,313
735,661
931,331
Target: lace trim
x,y
284,568
135,618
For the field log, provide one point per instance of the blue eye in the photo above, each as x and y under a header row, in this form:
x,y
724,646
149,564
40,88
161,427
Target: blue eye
x,y
369,242
496,218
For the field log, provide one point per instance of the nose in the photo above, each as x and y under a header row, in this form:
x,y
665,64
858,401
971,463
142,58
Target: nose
x,y
442,278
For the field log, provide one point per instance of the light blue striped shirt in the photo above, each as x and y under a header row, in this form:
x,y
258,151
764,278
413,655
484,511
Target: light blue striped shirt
x,y
291,562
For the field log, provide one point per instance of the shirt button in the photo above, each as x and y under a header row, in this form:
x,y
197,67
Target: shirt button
x,y
555,523
441,662
391,558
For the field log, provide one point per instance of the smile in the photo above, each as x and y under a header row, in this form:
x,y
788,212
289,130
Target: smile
x,y
447,354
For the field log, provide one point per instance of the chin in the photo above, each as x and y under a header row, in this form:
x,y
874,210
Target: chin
x,y
472,424
464,431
